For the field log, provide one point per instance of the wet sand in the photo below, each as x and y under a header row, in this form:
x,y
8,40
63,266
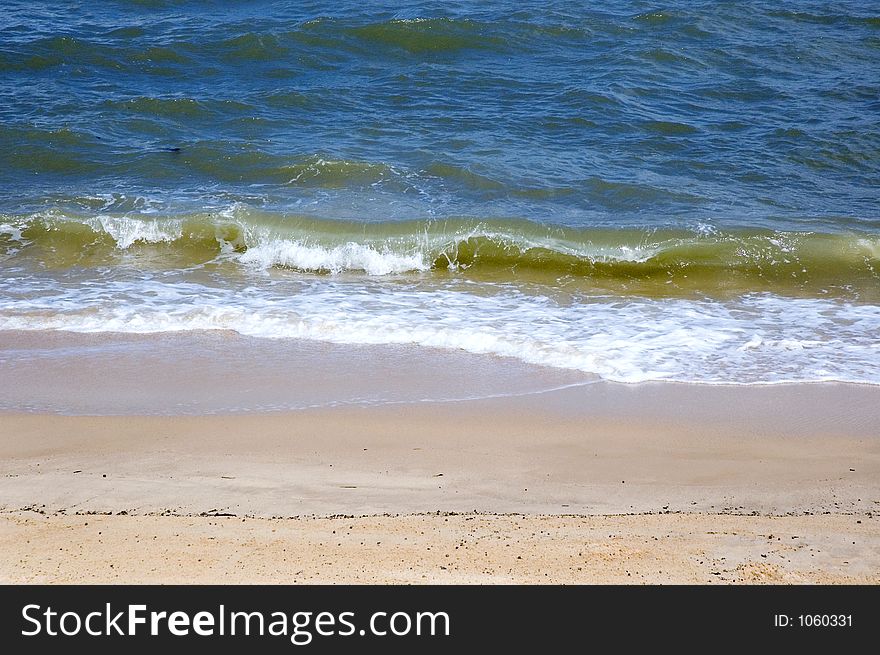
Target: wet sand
x,y
703,475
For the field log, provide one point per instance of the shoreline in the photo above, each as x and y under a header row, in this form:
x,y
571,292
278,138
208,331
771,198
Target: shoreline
x,y
594,450
656,482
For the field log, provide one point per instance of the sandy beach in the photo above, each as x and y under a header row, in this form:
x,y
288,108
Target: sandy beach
x,y
606,483
440,549
443,293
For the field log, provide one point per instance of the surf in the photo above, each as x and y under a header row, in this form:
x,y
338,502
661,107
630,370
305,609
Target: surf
x,y
705,260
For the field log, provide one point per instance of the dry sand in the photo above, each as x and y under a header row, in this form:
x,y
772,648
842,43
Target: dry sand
x,y
670,483
441,549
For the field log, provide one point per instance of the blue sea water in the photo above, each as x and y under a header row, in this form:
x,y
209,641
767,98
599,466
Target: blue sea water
x,y
678,190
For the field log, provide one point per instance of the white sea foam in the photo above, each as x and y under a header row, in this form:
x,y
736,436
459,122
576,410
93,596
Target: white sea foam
x,y
14,234
128,231
344,257
759,338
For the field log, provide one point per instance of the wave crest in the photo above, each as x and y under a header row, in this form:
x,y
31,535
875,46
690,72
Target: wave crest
x,y
652,262
345,257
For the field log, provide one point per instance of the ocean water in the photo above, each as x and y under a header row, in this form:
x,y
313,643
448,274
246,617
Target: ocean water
x,y
682,191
